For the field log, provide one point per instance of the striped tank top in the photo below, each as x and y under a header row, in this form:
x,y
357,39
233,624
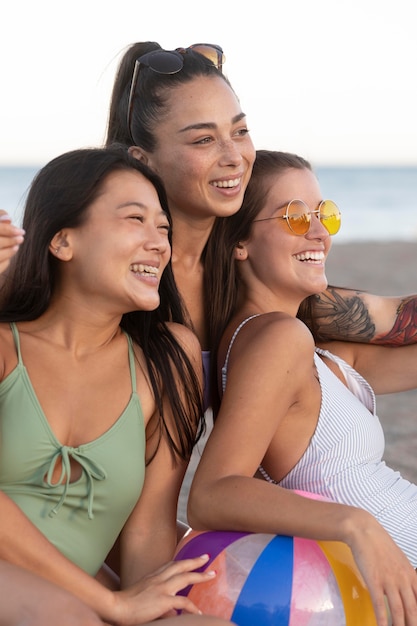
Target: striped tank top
x,y
343,460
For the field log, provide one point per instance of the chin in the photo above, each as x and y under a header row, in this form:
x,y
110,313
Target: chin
x,y
317,287
147,305
321,284
229,208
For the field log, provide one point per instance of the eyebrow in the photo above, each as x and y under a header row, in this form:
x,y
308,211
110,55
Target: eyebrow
x,y
139,205
210,125
130,203
283,206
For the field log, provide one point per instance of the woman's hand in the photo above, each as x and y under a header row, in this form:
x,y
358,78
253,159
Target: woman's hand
x,y
155,595
10,239
387,572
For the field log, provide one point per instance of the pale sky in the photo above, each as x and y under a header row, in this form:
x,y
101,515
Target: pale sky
x,y
334,80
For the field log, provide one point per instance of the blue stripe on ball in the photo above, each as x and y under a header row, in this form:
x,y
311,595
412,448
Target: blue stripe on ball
x,y
255,604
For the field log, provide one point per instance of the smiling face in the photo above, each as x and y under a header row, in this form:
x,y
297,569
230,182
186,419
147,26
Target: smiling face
x,y
284,267
204,153
118,254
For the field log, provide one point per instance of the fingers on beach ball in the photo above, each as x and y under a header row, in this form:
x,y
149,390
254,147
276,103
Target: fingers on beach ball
x,y
274,580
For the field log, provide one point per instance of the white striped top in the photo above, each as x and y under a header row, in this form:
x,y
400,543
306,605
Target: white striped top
x,y
343,461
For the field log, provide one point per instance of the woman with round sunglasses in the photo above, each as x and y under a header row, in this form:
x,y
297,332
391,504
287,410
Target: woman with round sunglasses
x,y
298,417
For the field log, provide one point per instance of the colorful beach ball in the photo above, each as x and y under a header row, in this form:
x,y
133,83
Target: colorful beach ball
x,y
274,580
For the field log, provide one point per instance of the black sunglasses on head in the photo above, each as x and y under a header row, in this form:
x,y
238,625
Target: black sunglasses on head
x,y
170,62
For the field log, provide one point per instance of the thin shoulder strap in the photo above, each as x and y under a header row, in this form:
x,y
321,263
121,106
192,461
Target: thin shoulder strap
x,y
16,338
132,365
357,384
235,334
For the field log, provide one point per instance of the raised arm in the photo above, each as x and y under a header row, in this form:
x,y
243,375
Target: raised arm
x,y
350,315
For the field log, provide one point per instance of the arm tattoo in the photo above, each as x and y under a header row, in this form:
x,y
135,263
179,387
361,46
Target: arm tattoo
x,y
334,317
404,331
341,319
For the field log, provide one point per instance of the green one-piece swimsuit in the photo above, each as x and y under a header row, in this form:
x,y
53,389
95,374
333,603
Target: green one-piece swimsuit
x,y
81,518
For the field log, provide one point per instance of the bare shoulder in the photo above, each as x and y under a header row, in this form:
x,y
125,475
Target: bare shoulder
x,y
8,356
269,367
272,334
5,332
185,337
183,334
276,326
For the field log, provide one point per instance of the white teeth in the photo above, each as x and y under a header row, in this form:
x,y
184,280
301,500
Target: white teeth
x,y
226,184
310,256
140,268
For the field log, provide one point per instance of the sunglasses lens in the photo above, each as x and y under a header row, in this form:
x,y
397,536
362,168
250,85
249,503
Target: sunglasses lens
x,y
212,52
298,217
330,216
163,61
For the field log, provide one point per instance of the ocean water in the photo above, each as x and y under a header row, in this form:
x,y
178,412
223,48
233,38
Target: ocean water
x,y
14,184
377,203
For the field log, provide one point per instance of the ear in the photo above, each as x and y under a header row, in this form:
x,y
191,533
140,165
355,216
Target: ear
x,y
241,252
60,246
139,154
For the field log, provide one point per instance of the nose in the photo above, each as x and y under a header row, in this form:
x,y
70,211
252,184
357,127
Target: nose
x,y
317,230
230,153
157,239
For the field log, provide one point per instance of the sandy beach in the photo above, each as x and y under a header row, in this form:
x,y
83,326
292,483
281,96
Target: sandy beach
x,y
386,268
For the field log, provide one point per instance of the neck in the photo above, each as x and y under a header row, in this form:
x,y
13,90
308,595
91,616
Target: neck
x,y
189,239
261,300
79,329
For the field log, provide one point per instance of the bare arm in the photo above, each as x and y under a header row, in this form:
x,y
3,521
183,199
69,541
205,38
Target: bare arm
x,y
154,593
149,538
28,599
150,535
39,556
347,315
148,600
387,369
266,377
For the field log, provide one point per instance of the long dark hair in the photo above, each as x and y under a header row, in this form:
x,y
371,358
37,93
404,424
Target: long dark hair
x,y
149,107
59,197
268,166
